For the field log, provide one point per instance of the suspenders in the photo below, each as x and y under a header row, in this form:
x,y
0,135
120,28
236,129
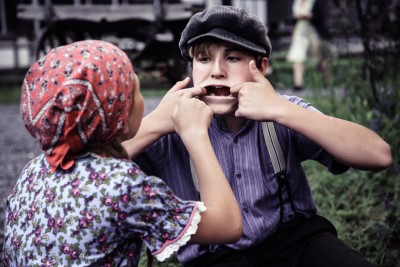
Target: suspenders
x,y
274,148
277,159
278,162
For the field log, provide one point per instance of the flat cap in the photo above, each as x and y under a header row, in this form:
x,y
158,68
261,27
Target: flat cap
x,y
228,23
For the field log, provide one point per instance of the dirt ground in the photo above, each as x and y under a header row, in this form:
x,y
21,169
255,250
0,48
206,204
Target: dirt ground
x,y
17,148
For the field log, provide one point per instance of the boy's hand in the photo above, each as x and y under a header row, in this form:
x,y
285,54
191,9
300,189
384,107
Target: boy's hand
x,y
191,118
167,104
258,100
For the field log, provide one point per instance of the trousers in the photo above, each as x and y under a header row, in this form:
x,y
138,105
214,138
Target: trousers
x,y
299,243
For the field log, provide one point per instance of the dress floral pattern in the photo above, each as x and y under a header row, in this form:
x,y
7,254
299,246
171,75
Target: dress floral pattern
x,y
97,214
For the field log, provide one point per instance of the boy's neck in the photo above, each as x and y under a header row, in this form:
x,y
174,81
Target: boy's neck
x,y
234,124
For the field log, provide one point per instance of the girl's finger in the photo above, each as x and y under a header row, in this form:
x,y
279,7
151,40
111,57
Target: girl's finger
x,y
180,85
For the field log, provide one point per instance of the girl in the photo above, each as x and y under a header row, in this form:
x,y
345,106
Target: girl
x,y
83,202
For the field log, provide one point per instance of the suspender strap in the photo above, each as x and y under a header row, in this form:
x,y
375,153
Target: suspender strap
x,y
278,163
273,147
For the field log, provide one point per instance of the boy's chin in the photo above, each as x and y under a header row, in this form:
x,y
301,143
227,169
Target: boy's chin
x,y
221,105
223,111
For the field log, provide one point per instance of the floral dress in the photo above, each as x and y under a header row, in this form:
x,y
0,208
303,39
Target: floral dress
x,y
97,214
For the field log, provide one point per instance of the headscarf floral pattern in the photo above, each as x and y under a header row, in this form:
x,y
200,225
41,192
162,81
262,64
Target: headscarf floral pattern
x,y
77,95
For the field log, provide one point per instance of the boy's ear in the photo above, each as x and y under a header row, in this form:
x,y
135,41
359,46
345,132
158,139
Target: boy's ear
x,y
264,66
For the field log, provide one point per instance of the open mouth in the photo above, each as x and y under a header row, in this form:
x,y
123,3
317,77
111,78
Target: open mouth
x,y
218,90
220,99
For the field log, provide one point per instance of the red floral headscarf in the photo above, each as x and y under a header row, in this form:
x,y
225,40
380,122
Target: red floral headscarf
x,y
78,95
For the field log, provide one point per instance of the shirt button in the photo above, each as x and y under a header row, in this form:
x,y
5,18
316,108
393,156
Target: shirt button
x,y
238,175
235,140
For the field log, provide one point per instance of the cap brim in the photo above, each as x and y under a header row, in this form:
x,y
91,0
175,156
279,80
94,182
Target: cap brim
x,y
225,35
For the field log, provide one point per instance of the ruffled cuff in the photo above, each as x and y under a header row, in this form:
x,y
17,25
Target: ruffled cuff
x,y
172,246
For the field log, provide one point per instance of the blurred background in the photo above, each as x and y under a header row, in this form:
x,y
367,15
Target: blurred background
x,y
148,30
363,37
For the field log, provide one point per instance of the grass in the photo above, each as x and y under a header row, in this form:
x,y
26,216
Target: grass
x,y
9,93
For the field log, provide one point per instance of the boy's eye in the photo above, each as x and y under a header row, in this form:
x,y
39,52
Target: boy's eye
x,y
204,59
232,58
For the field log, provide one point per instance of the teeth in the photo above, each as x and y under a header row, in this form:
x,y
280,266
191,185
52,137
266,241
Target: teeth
x,y
215,86
212,94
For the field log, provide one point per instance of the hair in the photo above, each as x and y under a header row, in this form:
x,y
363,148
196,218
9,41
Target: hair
x,y
114,149
207,45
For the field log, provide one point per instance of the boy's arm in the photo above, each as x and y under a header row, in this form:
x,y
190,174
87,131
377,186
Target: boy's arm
x,y
350,143
221,222
159,123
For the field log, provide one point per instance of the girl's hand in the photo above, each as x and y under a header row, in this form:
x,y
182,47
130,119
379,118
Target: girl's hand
x,y
159,122
191,117
163,112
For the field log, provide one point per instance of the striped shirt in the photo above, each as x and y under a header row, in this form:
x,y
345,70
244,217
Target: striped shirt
x,y
245,161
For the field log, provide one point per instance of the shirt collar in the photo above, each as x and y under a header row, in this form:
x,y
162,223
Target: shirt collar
x,y
219,123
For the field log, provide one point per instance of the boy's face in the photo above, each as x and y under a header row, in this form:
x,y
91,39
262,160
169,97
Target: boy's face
x,y
217,70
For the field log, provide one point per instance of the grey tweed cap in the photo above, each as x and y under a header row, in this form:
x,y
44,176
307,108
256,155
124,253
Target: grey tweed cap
x,y
228,23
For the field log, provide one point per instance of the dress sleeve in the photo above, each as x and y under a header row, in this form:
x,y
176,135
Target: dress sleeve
x,y
155,214
172,246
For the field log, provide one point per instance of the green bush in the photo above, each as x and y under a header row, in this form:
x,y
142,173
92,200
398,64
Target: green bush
x,y
362,205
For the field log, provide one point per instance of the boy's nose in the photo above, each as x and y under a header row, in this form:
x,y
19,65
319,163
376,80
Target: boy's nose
x,y
218,70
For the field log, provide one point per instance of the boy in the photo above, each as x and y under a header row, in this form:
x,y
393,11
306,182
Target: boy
x,y
229,51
